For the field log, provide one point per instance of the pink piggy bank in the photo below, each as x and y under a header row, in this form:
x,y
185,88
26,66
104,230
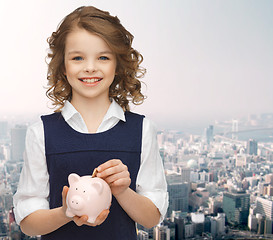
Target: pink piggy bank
x,y
87,196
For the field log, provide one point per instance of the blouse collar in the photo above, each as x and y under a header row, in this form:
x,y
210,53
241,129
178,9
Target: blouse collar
x,y
114,111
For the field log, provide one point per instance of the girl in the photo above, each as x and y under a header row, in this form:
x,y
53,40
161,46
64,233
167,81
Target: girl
x,y
92,75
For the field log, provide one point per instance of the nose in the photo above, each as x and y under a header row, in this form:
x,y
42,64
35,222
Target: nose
x,y
90,67
76,202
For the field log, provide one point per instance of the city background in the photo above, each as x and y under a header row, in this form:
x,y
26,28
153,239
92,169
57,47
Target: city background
x,y
209,90
220,180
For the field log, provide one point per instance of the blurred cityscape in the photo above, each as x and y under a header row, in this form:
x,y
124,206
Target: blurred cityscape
x,y
220,181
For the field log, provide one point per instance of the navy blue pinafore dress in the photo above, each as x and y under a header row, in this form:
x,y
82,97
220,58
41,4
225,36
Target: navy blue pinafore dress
x,y
68,151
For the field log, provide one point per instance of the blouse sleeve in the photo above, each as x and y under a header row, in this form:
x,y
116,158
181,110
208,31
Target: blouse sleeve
x,y
33,187
151,181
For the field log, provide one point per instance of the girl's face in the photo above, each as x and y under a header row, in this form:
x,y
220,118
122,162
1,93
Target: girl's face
x,y
90,66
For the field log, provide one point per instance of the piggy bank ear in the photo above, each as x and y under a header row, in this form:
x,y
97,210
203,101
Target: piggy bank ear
x,y
73,177
98,186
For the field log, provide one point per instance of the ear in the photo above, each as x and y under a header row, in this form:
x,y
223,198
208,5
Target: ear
x,y
98,186
72,178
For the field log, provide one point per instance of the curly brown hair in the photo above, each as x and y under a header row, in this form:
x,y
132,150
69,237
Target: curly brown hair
x,y
126,86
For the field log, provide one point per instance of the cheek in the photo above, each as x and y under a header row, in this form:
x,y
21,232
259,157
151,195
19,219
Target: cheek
x,y
65,67
70,69
112,69
71,72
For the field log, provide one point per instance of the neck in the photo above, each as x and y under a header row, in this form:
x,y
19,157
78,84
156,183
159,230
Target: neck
x,y
92,111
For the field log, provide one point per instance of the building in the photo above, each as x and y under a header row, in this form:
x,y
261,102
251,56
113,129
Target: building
x,y
241,160
220,220
179,227
4,152
204,176
178,197
214,204
189,230
268,226
199,222
252,147
3,129
235,128
161,233
252,222
269,190
261,188
192,164
264,206
260,224
269,178
171,225
194,177
142,229
142,235
236,207
18,135
185,175
208,134
213,227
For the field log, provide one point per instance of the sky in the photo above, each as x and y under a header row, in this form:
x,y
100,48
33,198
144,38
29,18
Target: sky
x,y
206,60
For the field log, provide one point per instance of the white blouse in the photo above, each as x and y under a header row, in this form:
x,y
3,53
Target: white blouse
x,y
33,188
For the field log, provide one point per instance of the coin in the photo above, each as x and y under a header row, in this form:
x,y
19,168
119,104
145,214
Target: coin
x,y
94,174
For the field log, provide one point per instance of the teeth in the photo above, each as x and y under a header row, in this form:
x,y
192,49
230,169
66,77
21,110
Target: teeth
x,y
90,80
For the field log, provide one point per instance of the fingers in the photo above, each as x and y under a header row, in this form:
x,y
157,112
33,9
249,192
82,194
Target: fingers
x,y
123,182
116,174
83,219
111,167
116,177
109,164
101,218
64,194
80,220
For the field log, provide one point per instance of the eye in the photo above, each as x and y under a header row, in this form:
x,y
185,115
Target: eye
x,y
103,58
76,188
77,58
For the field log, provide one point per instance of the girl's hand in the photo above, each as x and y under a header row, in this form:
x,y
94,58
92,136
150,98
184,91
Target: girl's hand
x,y
83,219
116,174
64,194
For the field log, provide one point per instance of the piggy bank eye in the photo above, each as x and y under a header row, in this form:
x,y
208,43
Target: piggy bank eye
x,y
84,191
76,188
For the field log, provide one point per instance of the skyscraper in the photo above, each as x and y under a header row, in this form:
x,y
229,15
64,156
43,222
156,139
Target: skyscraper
x,y
142,235
185,175
3,129
199,222
18,135
252,222
178,197
161,233
236,207
234,129
208,134
264,207
179,227
252,147
220,219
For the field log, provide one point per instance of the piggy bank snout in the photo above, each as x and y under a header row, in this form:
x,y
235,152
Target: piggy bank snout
x,y
76,202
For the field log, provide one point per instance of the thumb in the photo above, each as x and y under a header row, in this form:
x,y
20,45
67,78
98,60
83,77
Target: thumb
x,y
64,194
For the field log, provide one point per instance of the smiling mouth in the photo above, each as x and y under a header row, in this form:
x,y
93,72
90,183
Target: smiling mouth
x,y
90,80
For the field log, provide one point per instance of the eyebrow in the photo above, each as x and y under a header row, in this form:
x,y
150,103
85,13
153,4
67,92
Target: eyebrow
x,y
74,52
106,52
79,52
